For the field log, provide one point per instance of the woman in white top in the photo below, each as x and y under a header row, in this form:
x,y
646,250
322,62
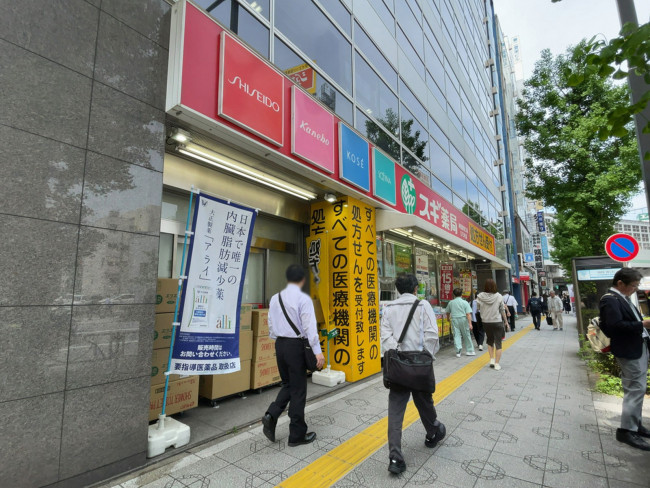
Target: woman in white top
x,y
493,315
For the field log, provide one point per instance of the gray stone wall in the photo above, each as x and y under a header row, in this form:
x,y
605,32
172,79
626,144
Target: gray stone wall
x,y
82,126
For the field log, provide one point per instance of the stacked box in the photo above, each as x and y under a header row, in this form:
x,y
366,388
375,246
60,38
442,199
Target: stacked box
x,y
245,316
264,367
183,391
221,385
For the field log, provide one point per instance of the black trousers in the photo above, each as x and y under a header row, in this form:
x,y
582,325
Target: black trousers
x,y
290,355
511,319
478,331
397,401
537,319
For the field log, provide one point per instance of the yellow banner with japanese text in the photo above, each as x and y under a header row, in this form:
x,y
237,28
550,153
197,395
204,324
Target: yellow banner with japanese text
x,y
481,239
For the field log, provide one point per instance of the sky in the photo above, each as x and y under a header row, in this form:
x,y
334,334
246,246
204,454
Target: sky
x,y
543,24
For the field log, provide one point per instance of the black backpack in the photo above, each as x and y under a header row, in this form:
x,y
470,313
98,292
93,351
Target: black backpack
x,y
535,305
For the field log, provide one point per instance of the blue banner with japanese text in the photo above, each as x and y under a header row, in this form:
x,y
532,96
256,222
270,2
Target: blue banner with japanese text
x,y
207,341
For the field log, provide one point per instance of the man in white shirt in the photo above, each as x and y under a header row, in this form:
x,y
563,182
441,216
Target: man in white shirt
x,y
290,355
511,304
421,334
555,308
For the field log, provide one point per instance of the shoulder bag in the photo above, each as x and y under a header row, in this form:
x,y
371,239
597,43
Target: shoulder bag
x,y
310,357
410,370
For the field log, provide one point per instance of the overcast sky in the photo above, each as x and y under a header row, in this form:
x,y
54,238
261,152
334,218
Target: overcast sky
x,y
543,24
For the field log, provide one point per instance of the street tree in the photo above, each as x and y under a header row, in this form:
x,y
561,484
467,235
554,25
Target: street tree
x,y
587,180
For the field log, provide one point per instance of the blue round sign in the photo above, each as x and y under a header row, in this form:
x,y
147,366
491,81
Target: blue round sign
x,y
622,247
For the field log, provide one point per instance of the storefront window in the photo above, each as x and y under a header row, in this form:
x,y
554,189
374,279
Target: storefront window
x,y
315,35
285,59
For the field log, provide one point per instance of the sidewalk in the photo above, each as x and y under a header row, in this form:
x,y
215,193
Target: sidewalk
x,y
534,423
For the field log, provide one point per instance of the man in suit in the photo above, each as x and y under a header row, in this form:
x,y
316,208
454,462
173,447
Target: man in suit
x,y
622,322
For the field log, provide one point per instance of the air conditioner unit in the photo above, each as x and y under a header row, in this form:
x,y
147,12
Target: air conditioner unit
x,y
498,162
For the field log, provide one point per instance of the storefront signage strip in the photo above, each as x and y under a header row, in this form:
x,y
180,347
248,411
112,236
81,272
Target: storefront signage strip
x,y
194,75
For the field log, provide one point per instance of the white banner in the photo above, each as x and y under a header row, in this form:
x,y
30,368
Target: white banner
x,y
207,341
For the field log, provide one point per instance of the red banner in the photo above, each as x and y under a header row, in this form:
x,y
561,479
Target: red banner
x,y
446,282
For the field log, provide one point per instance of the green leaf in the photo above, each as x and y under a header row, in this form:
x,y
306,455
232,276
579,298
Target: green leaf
x,y
619,75
575,79
619,131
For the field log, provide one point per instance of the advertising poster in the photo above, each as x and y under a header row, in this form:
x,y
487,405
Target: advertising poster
x,y
380,257
207,341
389,259
422,274
466,282
446,282
403,259
474,281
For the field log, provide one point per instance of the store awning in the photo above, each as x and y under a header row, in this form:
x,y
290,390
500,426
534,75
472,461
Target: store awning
x,y
389,220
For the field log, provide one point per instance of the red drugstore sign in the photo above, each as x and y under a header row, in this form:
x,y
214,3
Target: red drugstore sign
x,y
251,93
216,81
446,282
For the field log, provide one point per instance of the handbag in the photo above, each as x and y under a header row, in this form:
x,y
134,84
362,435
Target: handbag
x,y
549,319
310,357
410,370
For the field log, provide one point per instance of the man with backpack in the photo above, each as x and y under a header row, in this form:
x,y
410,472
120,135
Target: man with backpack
x,y
622,322
534,307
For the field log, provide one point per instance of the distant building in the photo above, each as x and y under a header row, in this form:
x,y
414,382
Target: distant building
x,y
639,229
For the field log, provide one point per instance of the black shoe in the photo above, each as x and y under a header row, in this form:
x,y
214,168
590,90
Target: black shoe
x,y
269,426
632,439
643,432
396,467
440,435
308,439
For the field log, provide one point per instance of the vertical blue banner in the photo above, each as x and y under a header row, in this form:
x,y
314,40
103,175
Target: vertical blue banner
x,y
207,341
354,166
544,244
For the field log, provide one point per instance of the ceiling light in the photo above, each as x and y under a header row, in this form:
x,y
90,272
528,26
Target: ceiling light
x,y
180,135
207,156
330,197
410,231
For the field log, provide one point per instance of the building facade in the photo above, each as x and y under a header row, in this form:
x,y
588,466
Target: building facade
x,y
109,137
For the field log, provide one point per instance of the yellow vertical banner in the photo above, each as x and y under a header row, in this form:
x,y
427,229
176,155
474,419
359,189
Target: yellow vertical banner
x,y
347,227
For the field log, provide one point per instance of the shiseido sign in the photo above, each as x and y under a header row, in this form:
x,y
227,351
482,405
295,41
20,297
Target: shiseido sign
x,y
251,93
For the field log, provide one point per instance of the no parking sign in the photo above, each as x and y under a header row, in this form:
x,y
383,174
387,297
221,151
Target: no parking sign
x,y
622,247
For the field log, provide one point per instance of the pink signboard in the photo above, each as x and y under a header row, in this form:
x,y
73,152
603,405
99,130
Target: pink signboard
x,y
312,131
446,282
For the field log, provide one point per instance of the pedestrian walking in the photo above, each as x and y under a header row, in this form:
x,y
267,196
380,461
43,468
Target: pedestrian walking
x,y
622,322
544,303
422,334
477,324
460,313
292,305
492,309
534,307
511,304
556,308
566,300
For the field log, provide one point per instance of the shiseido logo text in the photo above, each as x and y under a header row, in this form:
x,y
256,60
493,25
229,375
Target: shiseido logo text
x,y
259,96
319,136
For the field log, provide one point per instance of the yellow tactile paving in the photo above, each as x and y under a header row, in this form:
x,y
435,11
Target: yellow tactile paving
x,y
335,464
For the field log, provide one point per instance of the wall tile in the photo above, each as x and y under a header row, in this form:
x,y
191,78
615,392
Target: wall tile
x,y
150,18
121,196
68,38
88,478
104,424
109,343
43,97
130,62
34,339
37,260
39,177
31,436
126,129
113,264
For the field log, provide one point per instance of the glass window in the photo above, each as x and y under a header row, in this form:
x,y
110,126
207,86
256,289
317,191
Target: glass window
x,y
472,193
336,9
385,14
165,253
242,23
414,135
317,37
458,181
454,119
371,51
411,53
413,103
441,189
285,59
437,133
378,135
376,96
436,90
409,23
260,6
440,166
458,202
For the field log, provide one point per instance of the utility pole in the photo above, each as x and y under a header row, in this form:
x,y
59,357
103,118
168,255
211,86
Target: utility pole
x,y
638,87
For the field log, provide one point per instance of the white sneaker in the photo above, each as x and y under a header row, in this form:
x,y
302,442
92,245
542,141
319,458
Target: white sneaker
x,y
458,354
497,367
480,348
470,354
492,362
